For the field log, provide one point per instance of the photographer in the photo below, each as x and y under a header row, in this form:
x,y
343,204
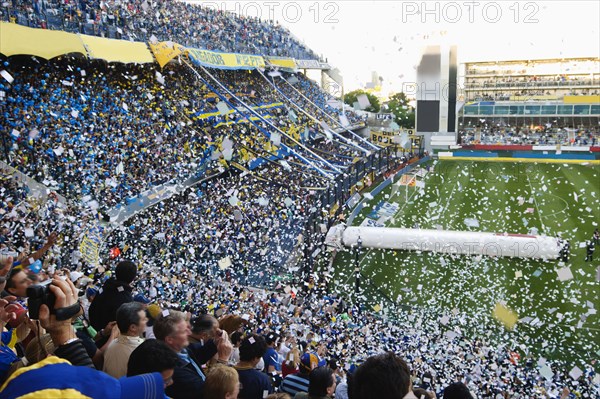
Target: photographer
x,y
68,346
56,375
57,323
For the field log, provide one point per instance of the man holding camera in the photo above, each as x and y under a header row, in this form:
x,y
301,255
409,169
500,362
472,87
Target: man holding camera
x,y
60,329
53,375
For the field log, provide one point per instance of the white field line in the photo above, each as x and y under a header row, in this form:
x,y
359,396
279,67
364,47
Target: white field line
x,y
537,208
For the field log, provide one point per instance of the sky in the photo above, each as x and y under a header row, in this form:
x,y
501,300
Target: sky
x,y
359,37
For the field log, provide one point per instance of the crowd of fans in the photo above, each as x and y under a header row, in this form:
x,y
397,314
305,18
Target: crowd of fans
x,y
112,132
140,316
105,132
185,23
532,81
253,220
287,340
526,135
288,118
312,94
530,94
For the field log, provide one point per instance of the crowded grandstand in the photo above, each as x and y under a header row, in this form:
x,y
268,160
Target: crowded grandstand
x,y
175,212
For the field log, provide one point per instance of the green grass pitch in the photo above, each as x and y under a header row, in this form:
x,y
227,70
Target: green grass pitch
x,y
558,319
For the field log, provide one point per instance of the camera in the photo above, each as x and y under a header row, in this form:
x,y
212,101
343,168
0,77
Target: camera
x,y
38,295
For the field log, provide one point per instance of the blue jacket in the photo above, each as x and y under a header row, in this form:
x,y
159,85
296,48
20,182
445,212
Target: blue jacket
x,y
187,383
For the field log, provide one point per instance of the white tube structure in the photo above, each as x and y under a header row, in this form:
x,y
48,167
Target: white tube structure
x,y
446,241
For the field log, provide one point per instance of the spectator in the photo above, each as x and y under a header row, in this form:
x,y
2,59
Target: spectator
x,y
152,312
337,371
422,393
292,362
131,321
7,356
61,332
341,391
321,384
457,390
17,283
115,292
299,382
222,382
204,328
54,376
25,260
188,379
271,357
152,356
236,340
254,384
383,376
90,294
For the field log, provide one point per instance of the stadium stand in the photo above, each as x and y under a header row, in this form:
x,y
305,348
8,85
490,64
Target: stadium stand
x,y
105,132
527,135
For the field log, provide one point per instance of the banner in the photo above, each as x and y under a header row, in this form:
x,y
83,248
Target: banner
x,y
591,99
285,63
165,51
20,40
113,50
308,64
243,120
207,115
385,117
218,60
383,139
90,245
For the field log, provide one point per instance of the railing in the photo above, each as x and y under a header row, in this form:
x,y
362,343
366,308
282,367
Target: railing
x,y
338,193
532,84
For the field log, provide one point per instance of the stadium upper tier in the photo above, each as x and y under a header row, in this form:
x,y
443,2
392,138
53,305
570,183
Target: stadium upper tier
x,y
187,24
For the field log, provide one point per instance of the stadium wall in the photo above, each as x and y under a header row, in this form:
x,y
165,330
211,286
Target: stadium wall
x,y
523,153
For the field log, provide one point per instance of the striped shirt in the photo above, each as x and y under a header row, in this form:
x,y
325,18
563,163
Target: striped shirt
x,y
295,383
